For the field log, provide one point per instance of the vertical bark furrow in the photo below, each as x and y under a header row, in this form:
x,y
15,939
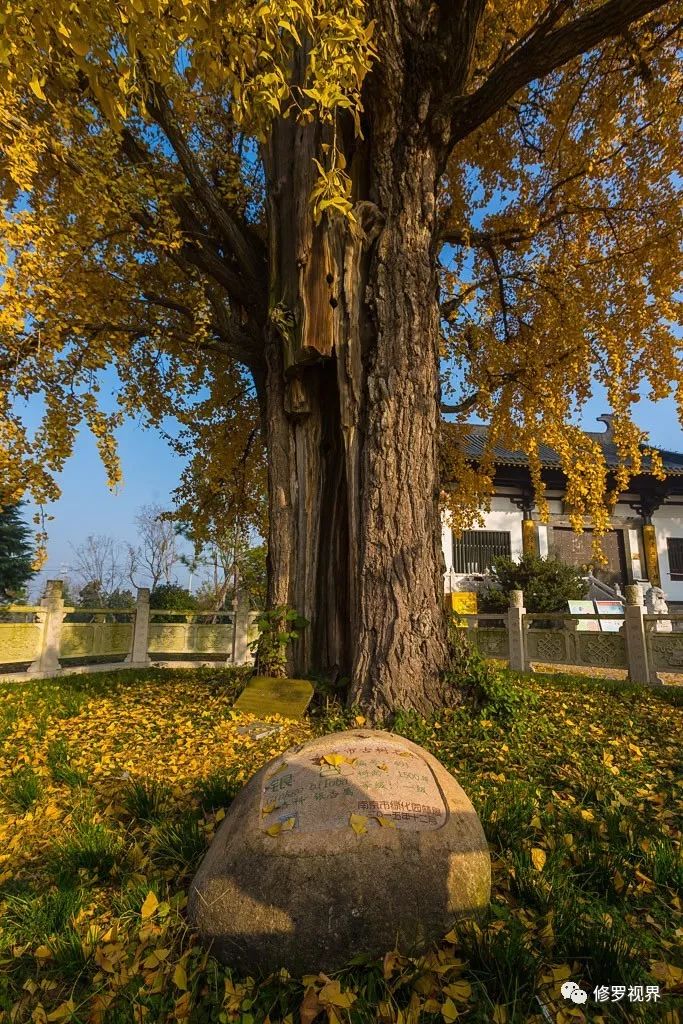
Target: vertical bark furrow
x,y
356,428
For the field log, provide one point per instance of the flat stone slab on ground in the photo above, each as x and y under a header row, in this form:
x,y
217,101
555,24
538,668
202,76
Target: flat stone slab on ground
x,y
354,842
263,696
259,730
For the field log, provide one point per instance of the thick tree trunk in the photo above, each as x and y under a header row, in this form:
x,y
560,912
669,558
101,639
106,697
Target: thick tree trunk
x,y
353,416
400,646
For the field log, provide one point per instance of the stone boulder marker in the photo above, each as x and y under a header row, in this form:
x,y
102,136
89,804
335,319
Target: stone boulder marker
x,y
354,842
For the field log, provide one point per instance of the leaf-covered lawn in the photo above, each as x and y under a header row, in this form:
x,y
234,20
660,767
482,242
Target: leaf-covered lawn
x,y
112,786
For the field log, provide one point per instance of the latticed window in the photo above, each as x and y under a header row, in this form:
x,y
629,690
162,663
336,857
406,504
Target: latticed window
x,y
675,549
475,550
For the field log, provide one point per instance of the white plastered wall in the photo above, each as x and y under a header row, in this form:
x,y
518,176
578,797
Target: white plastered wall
x,y
667,525
503,516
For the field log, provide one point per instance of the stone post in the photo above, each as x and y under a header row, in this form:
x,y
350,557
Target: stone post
x,y
139,652
516,614
52,607
240,628
634,632
252,618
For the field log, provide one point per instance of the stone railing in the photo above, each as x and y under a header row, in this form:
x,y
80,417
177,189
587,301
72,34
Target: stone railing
x,y
642,644
51,638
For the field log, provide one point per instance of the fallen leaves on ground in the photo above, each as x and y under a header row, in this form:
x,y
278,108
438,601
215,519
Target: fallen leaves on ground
x,y
580,797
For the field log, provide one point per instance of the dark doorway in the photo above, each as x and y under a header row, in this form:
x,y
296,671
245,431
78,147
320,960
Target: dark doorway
x,y
576,549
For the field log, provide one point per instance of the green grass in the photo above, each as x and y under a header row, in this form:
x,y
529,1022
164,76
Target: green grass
x,y
217,790
61,770
88,849
22,788
179,844
146,799
131,773
36,917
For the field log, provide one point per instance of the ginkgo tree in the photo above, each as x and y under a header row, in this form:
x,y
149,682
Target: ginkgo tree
x,y
300,208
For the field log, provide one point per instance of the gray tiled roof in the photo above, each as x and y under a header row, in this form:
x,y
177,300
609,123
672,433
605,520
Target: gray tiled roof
x,y
476,440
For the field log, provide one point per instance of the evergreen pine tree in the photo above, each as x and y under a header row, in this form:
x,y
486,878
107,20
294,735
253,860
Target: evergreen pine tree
x,y
16,553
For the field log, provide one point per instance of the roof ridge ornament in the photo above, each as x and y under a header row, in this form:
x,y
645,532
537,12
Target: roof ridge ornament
x,y
607,418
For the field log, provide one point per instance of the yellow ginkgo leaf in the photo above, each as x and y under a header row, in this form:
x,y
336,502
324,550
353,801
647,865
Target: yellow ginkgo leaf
x,y
460,990
360,719
561,973
386,822
359,824
43,952
538,858
331,994
63,1010
269,808
149,906
37,90
180,977
669,974
449,1011
281,826
337,759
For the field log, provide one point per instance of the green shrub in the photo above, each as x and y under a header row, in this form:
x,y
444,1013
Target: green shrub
x,y
547,584
172,597
34,918
179,844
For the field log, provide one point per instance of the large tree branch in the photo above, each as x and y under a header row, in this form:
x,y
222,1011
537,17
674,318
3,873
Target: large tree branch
x,y
542,53
506,238
229,333
499,380
246,248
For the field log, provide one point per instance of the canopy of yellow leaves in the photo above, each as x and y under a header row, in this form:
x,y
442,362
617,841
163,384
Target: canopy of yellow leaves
x,y
565,216
129,129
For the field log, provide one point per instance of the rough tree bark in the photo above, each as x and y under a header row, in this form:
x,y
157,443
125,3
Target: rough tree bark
x,y
353,403
353,338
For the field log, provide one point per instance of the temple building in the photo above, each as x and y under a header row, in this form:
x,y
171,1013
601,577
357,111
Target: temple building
x,y
645,544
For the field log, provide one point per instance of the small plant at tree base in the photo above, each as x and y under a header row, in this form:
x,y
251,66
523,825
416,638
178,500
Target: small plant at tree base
x,y
277,628
179,843
490,690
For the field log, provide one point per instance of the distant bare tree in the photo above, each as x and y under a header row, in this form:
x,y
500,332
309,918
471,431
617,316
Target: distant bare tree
x,y
151,562
97,564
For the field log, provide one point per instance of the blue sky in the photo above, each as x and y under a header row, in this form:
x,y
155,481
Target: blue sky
x,y
87,506
151,471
